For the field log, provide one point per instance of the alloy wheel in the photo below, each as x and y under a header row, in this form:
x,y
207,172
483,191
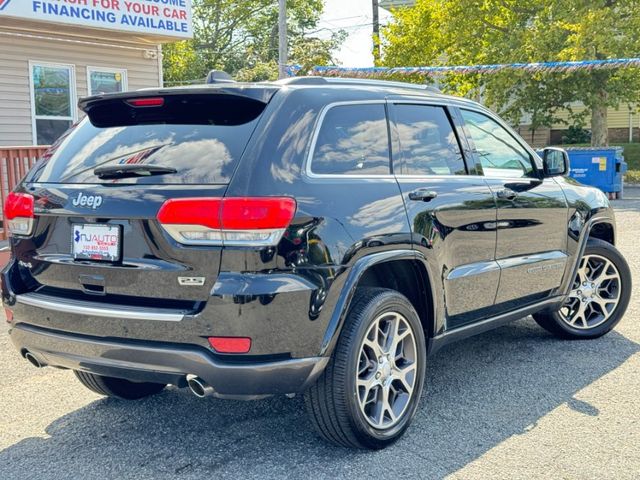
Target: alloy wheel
x,y
387,366
595,293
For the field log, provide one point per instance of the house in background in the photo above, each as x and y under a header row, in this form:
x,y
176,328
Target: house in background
x,y
623,124
53,52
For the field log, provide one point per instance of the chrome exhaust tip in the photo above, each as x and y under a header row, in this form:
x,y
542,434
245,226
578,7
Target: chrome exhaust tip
x,y
31,358
199,387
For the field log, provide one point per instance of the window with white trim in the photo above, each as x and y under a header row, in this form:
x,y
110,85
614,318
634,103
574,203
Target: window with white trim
x,y
53,100
106,80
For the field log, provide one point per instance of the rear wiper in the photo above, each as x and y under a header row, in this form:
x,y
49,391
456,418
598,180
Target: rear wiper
x,y
124,171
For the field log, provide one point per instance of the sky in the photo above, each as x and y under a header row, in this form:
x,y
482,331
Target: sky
x,y
355,17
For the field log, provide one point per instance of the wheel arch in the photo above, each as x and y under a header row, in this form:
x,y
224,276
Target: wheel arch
x,y
596,227
603,230
401,270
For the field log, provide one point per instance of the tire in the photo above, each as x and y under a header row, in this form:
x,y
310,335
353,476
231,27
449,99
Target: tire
x,y
336,403
569,322
117,387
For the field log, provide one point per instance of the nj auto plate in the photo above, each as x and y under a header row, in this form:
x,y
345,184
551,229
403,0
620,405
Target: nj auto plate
x,y
96,242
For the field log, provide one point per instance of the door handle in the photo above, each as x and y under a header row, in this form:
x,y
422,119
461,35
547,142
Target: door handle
x,y
507,194
423,194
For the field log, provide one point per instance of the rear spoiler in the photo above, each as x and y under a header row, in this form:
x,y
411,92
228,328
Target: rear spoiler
x,y
260,93
229,104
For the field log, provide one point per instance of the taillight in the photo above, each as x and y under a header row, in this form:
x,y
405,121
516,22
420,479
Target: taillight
x,y
239,221
18,213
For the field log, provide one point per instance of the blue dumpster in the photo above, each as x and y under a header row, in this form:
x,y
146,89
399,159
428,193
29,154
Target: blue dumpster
x,y
600,167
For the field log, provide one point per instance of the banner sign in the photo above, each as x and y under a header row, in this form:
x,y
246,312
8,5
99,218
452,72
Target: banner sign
x,y
153,17
334,71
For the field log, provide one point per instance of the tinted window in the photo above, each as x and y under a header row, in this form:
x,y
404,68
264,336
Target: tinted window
x,y
428,143
353,139
500,154
201,154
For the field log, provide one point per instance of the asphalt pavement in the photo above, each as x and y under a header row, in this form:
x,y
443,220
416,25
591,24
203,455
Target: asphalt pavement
x,y
512,403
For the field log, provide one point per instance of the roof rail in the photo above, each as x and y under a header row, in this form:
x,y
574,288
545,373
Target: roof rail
x,y
356,81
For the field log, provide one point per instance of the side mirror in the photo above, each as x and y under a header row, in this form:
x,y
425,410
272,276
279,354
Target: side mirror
x,y
555,162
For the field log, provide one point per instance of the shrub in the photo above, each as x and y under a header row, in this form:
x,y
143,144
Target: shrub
x,y
576,134
632,176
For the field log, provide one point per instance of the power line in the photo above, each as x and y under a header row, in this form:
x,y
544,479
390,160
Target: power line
x,y
342,18
350,27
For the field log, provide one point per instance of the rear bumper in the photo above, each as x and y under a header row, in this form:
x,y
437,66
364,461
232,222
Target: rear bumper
x,y
280,312
166,363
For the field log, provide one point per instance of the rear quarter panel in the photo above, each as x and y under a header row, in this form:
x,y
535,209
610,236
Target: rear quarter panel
x,y
338,221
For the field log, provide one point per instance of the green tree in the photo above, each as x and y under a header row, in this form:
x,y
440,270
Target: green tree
x,y
241,38
462,32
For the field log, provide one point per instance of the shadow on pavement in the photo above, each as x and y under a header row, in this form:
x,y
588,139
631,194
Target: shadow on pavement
x,y
480,392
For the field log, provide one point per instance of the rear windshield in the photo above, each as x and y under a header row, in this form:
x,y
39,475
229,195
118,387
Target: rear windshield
x,y
200,152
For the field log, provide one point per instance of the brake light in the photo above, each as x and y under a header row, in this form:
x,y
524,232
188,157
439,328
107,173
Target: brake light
x,y
241,221
230,344
191,211
18,213
146,102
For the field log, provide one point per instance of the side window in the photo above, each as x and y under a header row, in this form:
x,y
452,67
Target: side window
x,y
427,141
353,140
500,154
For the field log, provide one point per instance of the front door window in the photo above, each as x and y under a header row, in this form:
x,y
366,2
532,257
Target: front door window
x,y
500,154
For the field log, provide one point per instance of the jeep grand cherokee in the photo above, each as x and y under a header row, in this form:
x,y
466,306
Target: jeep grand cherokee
x,y
316,236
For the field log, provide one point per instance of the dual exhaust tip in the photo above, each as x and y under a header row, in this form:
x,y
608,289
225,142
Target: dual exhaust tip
x,y
198,387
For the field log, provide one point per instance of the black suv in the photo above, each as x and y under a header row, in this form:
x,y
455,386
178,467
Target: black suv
x,y
316,236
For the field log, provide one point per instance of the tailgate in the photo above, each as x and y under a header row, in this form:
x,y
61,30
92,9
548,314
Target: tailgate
x,y
94,197
150,266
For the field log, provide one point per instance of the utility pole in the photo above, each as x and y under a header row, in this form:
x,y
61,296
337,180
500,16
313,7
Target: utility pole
x,y
282,38
376,32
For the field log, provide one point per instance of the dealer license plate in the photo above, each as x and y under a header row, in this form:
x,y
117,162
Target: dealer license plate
x,y
96,242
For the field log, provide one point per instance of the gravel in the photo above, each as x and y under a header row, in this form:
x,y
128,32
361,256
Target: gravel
x,y
511,403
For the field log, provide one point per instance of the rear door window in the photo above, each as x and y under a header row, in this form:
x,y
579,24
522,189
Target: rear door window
x,y
353,140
